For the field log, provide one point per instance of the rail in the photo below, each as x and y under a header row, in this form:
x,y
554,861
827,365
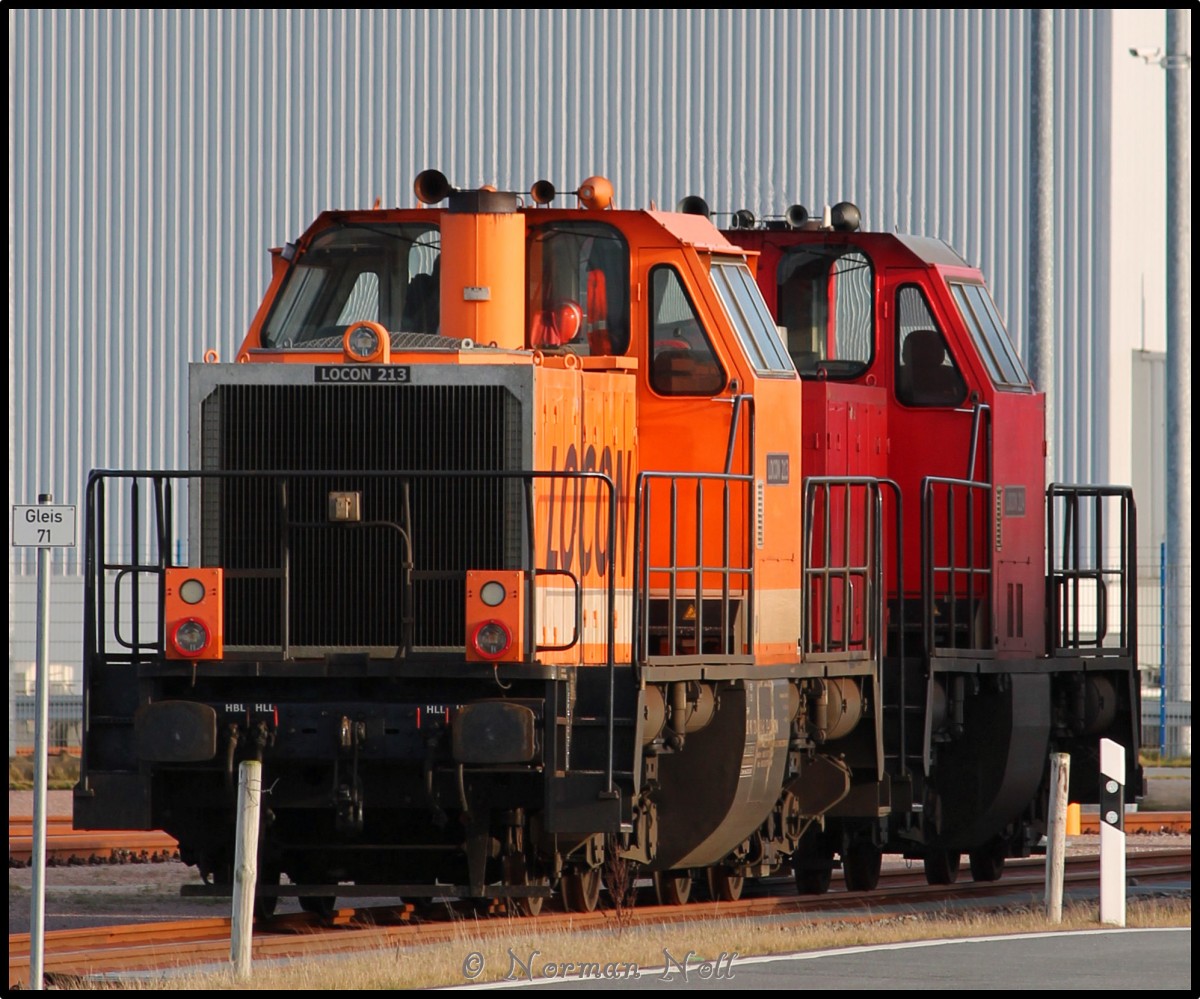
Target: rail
x,y
685,613
1085,590
114,636
658,616
956,564
821,572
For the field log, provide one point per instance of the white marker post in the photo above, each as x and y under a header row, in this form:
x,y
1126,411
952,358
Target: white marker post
x,y
42,527
245,866
1112,833
1056,835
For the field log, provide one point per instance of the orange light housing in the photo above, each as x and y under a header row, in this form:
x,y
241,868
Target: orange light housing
x,y
366,342
194,613
495,615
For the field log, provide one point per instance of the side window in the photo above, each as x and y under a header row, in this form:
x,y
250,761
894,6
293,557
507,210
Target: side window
x,y
926,374
422,296
991,341
826,302
578,293
682,361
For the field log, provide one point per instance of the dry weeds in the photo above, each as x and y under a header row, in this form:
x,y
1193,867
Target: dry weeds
x,y
490,951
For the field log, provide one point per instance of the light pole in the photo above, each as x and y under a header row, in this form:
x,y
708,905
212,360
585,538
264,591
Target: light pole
x,y
1177,62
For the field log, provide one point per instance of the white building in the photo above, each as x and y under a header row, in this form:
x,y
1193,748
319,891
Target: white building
x,y
155,155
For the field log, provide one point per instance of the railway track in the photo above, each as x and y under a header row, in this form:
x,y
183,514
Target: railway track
x,y
67,846
155,946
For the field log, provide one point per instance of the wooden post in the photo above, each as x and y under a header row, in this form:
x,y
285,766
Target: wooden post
x,y
245,866
1056,835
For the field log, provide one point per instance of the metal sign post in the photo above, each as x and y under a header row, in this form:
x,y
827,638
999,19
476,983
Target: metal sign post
x,y
42,527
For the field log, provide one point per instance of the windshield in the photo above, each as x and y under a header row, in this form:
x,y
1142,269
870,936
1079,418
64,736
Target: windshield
x,y
826,306
987,330
748,313
383,273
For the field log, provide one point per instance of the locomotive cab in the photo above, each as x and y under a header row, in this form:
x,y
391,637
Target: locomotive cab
x,y
911,379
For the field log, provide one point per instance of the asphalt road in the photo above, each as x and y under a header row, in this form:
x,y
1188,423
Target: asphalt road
x,y
1136,960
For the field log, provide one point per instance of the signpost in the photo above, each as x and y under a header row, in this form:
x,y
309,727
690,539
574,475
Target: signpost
x,y
43,527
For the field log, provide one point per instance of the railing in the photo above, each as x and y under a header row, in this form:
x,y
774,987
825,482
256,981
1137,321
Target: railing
x,y
834,572
727,607
956,563
660,590
1084,588
137,641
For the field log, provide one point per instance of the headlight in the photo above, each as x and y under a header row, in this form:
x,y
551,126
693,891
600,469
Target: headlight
x,y
492,593
363,341
190,637
191,591
366,341
491,639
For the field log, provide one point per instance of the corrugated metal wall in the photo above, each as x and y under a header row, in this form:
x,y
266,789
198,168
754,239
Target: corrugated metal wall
x,y
155,155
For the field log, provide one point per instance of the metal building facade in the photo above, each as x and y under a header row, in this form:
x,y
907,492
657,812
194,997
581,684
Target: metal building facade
x,y
155,155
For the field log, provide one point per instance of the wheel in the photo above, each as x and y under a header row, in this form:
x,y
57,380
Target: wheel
x,y
987,863
672,887
516,875
861,864
318,905
581,891
812,864
723,885
941,866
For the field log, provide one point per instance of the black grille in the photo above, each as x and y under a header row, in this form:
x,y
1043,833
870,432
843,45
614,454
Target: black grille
x,y
345,585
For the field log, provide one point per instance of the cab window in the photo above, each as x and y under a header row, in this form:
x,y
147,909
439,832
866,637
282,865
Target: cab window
x,y
682,361
578,291
926,374
826,306
382,273
991,341
749,317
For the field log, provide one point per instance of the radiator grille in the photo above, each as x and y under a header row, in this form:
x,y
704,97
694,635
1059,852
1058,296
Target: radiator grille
x,y
345,585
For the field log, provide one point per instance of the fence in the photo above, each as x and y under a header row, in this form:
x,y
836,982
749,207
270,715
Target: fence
x,y
1165,664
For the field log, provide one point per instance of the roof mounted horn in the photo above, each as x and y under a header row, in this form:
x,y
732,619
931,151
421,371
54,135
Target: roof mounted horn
x,y
743,218
796,216
542,192
693,204
431,186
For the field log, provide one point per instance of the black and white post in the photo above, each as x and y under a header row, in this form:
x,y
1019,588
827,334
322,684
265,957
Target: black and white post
x,y
1112,833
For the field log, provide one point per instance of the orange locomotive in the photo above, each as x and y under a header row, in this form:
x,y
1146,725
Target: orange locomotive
x,y
493,559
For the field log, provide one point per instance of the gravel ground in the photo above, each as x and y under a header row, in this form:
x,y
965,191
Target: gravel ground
x,y
143,893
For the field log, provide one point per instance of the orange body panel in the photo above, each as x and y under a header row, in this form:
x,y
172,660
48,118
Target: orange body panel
x,y
509,612
584,421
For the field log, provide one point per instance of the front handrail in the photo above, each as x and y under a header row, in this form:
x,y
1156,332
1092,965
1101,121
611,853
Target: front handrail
x,y
1082,565
962,571
165,496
